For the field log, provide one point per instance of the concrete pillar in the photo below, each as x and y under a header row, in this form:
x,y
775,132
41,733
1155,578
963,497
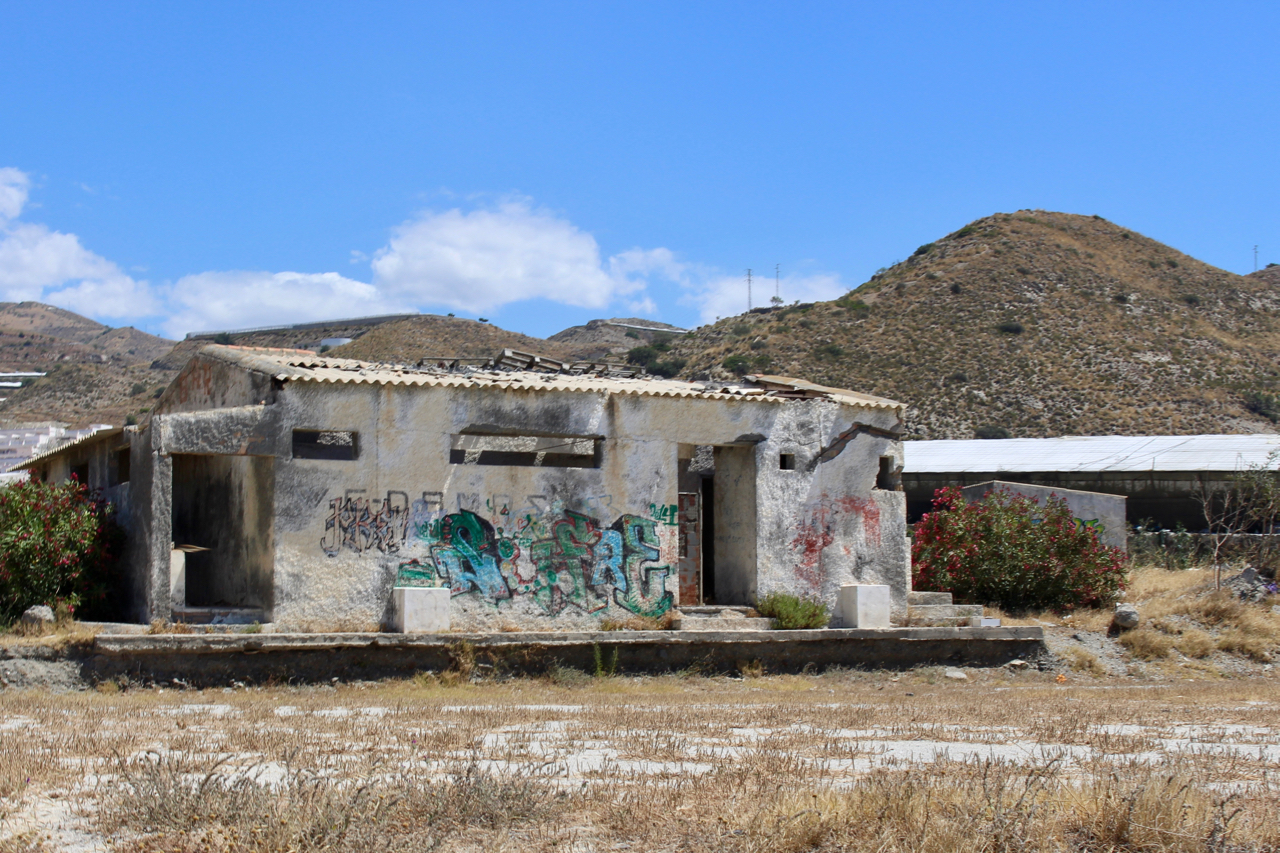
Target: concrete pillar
x,y
865,605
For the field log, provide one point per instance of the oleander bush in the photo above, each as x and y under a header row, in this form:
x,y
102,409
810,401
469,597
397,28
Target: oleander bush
x,y
1009,551
58,546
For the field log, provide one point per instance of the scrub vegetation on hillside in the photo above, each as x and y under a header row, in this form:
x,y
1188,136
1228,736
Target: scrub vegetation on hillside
x,y
1033,324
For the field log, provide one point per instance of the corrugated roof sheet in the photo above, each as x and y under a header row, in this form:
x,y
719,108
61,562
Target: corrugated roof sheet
x,y
62,448
304,366
1091,453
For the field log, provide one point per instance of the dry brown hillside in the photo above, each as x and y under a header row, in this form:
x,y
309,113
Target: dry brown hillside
x,y
94,373
406,341
1036,323
608,338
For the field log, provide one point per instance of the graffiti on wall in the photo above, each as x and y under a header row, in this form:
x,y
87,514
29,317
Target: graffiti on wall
x,y
817,531
558,557
364,524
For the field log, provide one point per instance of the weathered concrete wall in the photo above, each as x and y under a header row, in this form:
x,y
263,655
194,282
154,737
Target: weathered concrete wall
x,y
531,547
1164,497
1104,513
564,547
211,383
281,658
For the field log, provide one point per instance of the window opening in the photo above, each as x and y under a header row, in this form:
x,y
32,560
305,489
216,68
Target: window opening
x,y
787,461
122,466
325,444
889,479
536,451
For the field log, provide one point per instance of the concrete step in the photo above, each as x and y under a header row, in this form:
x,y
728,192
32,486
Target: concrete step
x,y
692,622
969,615
928,598
715,609
219,615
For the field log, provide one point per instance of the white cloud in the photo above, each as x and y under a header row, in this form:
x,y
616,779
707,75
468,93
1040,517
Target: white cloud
x,y
493,256
725,296
39,264
211,301
474,261
14,185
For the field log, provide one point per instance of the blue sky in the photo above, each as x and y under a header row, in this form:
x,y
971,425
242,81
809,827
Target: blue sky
x,y
204,166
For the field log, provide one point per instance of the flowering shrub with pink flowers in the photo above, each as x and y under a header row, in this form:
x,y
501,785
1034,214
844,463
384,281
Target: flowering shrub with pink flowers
x,y
58,546
1009,551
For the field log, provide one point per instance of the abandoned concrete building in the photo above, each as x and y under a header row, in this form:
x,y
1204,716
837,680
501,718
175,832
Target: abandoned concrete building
x,y
300,490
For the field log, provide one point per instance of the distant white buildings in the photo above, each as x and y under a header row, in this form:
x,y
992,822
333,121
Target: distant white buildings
x,y
15,381
19,445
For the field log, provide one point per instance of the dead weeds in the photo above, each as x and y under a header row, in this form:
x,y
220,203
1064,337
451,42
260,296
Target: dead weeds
x,y
842,761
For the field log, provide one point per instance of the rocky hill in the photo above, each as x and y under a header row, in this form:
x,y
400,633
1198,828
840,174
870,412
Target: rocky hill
x,y
1025,324
1031,324
611,338
428,335
94,373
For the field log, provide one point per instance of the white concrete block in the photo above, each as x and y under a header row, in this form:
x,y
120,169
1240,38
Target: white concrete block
x,y
865,605
420,610
177,579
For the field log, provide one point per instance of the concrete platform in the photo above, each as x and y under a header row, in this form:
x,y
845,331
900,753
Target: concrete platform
x,y
212,659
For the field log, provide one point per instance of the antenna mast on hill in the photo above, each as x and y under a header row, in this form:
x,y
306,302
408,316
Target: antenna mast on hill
x,y
777,288
748,288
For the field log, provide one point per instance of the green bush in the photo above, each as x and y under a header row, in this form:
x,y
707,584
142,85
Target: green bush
x,y
1006,550
1011,327
791,613
58,545
991,431
1264,404
738,364
666,369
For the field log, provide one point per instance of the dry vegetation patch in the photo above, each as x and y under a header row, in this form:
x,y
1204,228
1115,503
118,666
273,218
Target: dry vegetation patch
x,y
843,761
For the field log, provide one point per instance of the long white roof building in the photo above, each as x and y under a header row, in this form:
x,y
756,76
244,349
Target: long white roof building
x,y
1117,453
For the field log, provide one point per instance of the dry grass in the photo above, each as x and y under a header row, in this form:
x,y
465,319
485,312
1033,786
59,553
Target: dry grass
x,y
843,761
1182,612
638,623
1082,660
1147,643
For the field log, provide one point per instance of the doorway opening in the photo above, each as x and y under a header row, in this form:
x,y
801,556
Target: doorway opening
x,y
717,506
222,528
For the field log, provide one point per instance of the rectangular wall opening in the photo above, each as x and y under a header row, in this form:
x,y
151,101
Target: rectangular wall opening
x,y
222,519
336,444
733,513
533,451
120,464
888,478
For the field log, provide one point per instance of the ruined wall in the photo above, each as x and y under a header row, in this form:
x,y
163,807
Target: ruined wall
x,y
208,382
1166,498
1104,513
539,547
825,523
519,546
